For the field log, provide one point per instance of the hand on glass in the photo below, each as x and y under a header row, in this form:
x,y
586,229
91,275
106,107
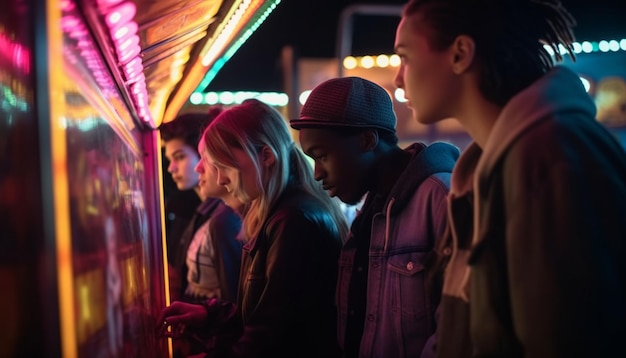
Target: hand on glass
x,y
179,316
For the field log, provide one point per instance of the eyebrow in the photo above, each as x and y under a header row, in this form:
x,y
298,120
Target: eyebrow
x,y
396,48
310,149
177,151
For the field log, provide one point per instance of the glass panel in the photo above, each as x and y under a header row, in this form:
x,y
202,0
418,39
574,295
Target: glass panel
x,y
111,244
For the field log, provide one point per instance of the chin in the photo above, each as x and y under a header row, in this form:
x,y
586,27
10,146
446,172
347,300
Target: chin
x,y
349,200
425,119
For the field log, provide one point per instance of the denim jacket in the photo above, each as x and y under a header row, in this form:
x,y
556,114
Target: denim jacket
x,y
399,315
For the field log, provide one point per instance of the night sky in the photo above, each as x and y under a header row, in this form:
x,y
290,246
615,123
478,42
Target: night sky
x,y
310,27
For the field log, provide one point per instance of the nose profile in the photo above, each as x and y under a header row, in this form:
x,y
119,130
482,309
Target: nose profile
x,y
199,168
398,80
318,173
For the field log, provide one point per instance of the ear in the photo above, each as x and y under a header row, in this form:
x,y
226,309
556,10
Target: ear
x,y
267,156
463,51
368,140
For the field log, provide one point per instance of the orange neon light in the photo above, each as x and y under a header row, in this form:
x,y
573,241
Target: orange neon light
x,y
198,70
60,181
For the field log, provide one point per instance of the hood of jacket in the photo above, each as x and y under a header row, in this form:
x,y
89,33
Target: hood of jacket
x,y
558,91
438,157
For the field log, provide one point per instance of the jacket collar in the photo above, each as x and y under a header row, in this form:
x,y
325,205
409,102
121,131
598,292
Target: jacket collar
x,y
435,158
207,206
558,91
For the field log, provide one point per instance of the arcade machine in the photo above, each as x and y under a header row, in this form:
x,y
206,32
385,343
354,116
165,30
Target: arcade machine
x,y
84,85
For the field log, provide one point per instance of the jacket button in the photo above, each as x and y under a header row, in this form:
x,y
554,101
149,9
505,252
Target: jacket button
x,y
447,251
409,266
370,317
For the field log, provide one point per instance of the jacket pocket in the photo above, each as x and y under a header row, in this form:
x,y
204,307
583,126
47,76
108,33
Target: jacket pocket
x,y
407,297
407,284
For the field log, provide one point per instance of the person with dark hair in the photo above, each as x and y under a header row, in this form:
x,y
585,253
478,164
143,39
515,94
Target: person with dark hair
x,y
386,294
292,232
179,139
538,200
206,257
210,242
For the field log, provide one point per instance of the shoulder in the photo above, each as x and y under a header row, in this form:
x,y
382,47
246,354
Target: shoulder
x,y
296,204
438,182
558,147
225,219
425,179
541,146
224,211
299,210
434,188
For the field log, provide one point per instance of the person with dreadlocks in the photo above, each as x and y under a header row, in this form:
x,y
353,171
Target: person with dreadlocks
x,y
537,202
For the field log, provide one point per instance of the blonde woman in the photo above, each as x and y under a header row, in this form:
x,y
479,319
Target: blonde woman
x,y
292,232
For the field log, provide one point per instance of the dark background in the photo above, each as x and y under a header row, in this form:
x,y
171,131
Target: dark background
x,y
310,27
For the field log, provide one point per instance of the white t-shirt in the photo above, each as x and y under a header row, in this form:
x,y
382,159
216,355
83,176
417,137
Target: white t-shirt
x,y
201,276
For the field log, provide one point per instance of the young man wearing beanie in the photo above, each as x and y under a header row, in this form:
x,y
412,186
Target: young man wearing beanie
x,y
387,293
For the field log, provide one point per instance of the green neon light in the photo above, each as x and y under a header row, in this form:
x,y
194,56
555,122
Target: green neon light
x,y
254,24
229,98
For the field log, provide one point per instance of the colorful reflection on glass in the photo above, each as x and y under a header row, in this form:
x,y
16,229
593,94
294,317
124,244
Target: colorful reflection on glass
x,y
111,245
19,184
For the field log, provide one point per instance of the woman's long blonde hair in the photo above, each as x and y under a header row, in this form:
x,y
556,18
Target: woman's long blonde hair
x,y
252,126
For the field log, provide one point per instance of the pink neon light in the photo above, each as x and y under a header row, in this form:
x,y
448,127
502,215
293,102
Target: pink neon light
x,y
76,30
133,65
15,52
127,43
136,78
133,69
124,31
130,52
69,22
79,32
138,86
67,5
103,4
120,15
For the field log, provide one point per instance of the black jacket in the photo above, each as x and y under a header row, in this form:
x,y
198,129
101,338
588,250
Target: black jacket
x,y
286,289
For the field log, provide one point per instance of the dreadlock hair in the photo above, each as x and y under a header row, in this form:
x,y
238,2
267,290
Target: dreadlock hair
x,y
188,127
509,36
